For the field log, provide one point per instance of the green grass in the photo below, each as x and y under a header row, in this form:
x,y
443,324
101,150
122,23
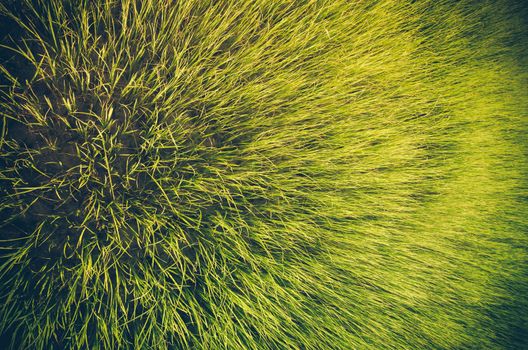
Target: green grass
x,y
265,174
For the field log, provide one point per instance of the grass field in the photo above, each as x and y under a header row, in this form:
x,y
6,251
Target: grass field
x,y
268,174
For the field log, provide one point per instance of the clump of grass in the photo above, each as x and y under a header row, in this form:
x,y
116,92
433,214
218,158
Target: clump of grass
x,y
263,175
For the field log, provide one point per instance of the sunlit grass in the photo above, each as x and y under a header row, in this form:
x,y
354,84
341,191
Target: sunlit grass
x,y
264,174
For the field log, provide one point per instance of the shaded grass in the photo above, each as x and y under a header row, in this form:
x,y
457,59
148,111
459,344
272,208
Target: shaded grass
x,y
263,175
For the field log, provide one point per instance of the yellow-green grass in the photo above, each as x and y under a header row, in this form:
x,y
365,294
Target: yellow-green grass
x,y
269,174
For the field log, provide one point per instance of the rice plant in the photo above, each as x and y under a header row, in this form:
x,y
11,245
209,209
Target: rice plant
x,y
268,174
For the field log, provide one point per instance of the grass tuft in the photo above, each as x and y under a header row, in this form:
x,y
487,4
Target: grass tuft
x,y
269,174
